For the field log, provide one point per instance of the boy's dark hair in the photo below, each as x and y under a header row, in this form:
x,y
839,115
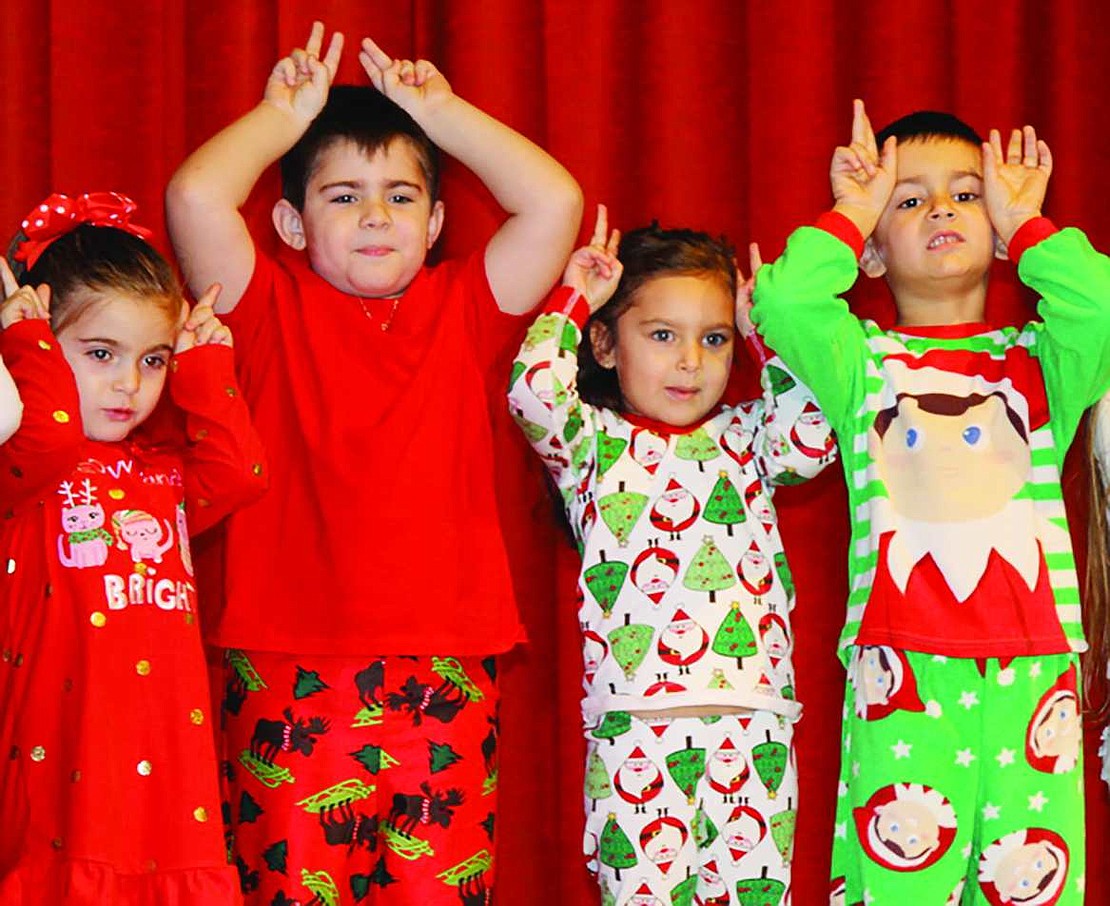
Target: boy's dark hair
x,y
102,260
645,254
926,124
363,115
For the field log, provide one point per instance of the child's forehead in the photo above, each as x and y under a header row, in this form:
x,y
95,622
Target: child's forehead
x,y
344,157
938,156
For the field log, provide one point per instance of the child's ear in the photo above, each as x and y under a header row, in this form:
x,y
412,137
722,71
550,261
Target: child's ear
x,y
601,342
289,224
435,222
871,261
1001,250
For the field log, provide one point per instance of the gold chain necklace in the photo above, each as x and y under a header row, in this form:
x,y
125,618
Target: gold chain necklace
x,y
369,317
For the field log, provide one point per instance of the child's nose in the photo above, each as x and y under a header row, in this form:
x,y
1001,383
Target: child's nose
x,y
690,358
127,380
942,209
375,213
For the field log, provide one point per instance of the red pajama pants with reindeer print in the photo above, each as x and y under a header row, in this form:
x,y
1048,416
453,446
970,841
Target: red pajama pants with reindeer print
x,y
363,781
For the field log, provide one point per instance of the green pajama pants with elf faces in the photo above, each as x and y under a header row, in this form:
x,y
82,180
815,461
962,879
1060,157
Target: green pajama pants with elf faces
x,y
961,782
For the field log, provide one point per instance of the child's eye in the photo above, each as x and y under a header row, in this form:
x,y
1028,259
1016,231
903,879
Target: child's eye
x,y
662,335
967,196
100,354
154,361
345,198
400,199
910,203
716,339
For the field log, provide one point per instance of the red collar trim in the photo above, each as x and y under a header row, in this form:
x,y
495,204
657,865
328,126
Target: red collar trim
x,y
945,331
641,421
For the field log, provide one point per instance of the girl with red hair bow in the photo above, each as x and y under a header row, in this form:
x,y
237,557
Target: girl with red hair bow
x,y
108,791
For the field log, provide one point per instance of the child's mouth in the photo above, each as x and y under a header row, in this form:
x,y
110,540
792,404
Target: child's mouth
x,y
940,240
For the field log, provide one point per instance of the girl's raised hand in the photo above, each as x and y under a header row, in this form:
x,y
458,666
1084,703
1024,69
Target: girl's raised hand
x,y
594,270
21,303
744,290
299,83
202,327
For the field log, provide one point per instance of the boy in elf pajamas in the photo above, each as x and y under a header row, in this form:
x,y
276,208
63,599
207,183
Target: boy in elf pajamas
x,y
961,771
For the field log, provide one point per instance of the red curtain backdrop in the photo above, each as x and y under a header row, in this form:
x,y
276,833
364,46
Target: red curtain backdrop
x,y
717,114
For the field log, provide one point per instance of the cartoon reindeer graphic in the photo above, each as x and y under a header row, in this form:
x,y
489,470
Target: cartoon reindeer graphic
x,y
83,523
430,808
421,700
290,735
343,827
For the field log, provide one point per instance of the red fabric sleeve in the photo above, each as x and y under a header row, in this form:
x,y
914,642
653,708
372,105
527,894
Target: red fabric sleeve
x,y
224,464
1028,235
51,434
843,229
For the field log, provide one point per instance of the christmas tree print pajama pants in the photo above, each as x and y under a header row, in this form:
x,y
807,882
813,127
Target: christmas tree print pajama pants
x,y
961,781
691,810
359,781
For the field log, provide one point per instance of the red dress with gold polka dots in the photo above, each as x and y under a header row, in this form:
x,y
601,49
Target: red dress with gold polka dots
x,y
108,786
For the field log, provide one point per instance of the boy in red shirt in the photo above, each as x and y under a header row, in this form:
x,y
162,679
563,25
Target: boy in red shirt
x,y
360,753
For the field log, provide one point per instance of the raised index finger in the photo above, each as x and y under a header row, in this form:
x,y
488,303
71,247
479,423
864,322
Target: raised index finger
x,y
377,56
11,285
335,48
315,39
862,133
601,227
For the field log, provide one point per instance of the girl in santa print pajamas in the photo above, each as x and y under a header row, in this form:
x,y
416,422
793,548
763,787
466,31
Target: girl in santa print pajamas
x,y
684,594
108,784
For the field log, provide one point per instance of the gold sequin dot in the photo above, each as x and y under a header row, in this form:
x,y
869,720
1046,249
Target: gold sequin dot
x,y
200,813
11,566
116,494
189,619
56,843
98,619
196,717
142,667
231,391
14,753
203,501
174,365
75,777
257,468
44,345
18,660
49,590
17,472
7,655
144,768
38,753
151,865
202,433
61,416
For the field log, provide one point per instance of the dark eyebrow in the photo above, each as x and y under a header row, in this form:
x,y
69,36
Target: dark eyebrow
x,y
920,180
357,184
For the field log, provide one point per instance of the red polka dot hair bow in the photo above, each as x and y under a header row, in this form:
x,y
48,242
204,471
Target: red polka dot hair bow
x,y
60,214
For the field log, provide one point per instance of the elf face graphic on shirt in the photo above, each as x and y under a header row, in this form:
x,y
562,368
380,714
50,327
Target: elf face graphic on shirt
x,y
948,461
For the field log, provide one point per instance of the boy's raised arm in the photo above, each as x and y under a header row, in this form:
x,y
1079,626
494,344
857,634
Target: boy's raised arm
x,y
543,201
203,198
